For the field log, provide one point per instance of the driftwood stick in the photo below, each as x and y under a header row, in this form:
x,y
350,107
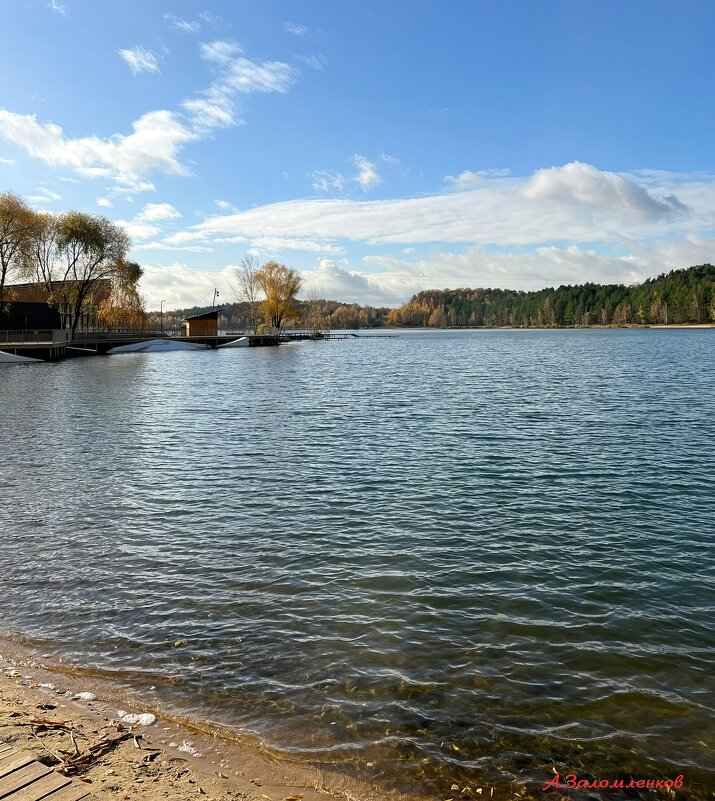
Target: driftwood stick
x,y
58,758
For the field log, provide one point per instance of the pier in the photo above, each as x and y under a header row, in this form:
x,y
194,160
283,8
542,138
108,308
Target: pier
x,y
52,345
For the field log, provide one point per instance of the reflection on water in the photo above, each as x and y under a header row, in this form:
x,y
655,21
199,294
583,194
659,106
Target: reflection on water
x,y
464,556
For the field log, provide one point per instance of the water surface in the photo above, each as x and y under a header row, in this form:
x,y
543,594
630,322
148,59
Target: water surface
x,y
460,556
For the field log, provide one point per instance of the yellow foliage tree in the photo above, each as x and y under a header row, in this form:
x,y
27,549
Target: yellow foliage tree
x,y
124,307
280,285
16,221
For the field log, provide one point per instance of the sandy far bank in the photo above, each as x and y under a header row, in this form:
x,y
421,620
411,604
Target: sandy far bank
x,y
172,761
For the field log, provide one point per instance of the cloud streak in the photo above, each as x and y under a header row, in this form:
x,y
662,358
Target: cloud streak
x,y
296,30
367,176
564,204
140,59
182,25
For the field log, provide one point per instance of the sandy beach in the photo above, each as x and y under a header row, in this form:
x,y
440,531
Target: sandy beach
x,y
57,716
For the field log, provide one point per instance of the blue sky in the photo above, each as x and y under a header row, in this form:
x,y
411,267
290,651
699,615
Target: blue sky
x,y
380,148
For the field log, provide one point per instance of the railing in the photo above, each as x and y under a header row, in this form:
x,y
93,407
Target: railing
x,y
26,337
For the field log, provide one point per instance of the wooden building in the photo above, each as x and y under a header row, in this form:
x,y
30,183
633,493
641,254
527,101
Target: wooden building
x,y
202,325
32,306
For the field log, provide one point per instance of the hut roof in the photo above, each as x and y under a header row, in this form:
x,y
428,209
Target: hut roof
x,y
211,315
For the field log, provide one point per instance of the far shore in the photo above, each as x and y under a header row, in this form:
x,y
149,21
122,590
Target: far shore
x,y
634,326
176,759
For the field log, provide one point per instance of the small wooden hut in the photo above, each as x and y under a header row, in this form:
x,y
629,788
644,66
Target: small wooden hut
x,y
202,325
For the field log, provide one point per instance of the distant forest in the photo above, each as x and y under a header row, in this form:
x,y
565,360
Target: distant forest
x,y
676,298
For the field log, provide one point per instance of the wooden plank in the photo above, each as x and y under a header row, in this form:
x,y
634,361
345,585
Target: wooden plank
x,y
73,792
14,761
40,789
7,755
19,778
6,749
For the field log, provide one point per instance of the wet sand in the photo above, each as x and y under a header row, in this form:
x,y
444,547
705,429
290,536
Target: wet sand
x,y
173,760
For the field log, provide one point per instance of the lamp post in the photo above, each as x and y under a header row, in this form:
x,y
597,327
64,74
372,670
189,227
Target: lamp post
x,y
161,315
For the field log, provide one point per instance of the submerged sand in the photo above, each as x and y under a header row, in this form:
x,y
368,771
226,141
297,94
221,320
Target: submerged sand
x,y
162,760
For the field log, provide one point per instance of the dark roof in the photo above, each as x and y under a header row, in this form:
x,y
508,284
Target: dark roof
x,y
211,315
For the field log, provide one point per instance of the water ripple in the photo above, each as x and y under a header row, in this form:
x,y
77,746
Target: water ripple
x,y
463,556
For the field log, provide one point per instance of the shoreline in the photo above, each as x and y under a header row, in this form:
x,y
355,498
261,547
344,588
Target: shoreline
x,y
609,327
178,759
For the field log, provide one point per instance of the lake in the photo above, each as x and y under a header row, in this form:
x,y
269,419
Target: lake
x,y
471,556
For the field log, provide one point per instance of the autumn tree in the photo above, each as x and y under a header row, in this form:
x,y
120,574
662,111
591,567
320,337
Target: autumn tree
x,y
316,317
246,287
42,252
279,285
70,255
16,221
124,307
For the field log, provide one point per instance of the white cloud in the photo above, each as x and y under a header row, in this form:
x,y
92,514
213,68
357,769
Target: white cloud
x,y
157,212
224,205
335,283
140,60
272,244
9,162
296,30
105,202
500,233
534,269
157,137
591,189
388,281
47,196
367,175
325,180
57,7
315,62
182,25
388,159
215,107
220,52
144,224
181,238
500,212
182,287
472,180
210,17
138,230
517,269
153,145
164,246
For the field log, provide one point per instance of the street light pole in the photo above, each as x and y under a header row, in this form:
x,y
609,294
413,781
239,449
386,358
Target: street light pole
x,y
161,315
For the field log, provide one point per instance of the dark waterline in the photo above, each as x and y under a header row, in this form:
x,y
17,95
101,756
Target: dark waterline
x,y
461,556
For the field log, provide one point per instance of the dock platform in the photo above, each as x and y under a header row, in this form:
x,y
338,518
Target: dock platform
x,y
55,345
23,778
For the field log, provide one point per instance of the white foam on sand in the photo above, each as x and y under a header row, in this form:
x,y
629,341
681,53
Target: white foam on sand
x,y
146,719
187,748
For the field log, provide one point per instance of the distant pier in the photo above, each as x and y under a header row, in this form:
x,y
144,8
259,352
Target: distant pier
x,y
51,345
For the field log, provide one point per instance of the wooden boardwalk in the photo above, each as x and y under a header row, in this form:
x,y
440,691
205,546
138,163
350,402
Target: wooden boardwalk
x,y
22,778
